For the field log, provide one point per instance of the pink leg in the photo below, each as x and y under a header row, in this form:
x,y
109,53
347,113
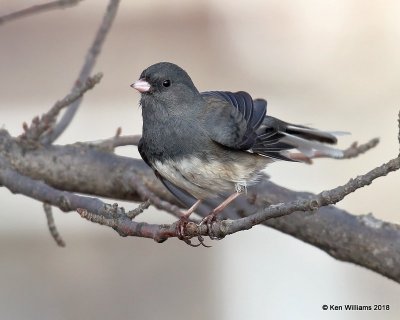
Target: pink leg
x,y
183,221
211,217
188,212
226,202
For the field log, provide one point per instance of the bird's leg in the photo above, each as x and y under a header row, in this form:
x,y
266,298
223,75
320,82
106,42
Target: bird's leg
x,y
183,221
209,219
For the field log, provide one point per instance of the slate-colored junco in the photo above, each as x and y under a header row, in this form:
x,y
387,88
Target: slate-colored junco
x,y
204,144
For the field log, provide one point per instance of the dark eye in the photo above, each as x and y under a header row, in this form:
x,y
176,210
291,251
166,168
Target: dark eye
x,y
166,83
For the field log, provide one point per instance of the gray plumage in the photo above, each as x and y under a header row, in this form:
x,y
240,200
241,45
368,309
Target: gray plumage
x,y
205,144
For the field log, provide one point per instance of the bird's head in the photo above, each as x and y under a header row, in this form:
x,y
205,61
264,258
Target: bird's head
x,y
165,84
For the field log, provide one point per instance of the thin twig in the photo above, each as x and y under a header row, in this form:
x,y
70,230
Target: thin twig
x,y
159,203
52,226
131,140
117,141
355,150
398,135
40,126
135,212
60,4
87,68
351,152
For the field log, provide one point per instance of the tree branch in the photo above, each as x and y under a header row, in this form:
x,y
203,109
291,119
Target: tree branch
x,y
363,241
87,68
60,4
40,126
52,225
322,199
117,141
351,152
355,150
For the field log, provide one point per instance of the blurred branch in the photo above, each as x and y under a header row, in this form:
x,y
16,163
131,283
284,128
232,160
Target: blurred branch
x,y
60,4
355,150
87,68
116,141
146,193
135,212
398,134
52,225
43,125
351,152
132,140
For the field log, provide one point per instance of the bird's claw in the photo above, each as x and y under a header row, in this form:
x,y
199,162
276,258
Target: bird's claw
x,y
180,231
208,221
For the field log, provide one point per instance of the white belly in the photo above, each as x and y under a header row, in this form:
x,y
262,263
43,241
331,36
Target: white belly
x,y
206,179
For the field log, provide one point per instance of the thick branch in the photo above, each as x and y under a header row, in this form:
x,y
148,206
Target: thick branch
x,y
87,169
95,210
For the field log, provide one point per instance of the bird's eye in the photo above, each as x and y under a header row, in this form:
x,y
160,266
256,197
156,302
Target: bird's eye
x,y
166,83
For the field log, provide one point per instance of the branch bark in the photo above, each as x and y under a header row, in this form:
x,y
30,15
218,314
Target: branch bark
x,y
59,4
40,126
88,65
48,173
52,225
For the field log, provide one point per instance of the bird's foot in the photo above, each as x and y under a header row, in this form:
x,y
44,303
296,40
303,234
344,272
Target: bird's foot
x,y
180,231
208,221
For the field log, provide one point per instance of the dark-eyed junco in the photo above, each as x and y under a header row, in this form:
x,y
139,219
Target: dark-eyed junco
x,y
204,144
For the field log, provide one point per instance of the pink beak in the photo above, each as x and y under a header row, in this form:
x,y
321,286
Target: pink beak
x,y
141,86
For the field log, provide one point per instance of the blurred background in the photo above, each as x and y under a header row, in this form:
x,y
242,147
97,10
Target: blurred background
x,y
330,64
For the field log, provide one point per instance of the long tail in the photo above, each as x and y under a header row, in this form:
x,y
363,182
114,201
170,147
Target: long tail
x,y
277,139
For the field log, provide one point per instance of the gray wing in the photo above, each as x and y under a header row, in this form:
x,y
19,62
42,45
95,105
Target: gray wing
x,y
232,119
184,197
237,121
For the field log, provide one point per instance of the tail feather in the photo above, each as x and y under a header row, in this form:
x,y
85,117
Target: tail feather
x,y
311,147
277,138
311,134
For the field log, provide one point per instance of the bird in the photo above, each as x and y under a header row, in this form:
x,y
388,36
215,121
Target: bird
x,y
203,145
